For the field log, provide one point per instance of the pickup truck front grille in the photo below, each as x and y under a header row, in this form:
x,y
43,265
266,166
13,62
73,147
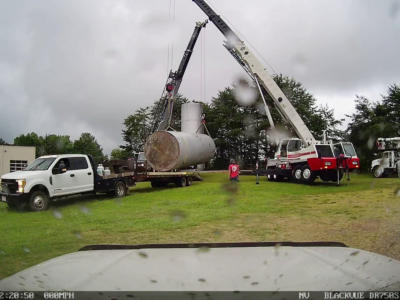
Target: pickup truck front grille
x,y
9,186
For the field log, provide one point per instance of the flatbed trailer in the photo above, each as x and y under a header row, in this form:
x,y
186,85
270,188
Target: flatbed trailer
x,y
160,179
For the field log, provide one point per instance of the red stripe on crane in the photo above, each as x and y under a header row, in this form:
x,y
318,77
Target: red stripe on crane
x,y
300,154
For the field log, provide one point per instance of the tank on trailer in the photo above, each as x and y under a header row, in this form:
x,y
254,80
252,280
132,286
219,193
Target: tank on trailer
x,y
169,150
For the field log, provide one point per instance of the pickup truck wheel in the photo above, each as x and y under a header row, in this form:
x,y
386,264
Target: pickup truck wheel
x,y
120,189
38,201
377,171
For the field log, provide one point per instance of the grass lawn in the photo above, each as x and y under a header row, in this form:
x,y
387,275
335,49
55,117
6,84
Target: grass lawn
x,y
363,213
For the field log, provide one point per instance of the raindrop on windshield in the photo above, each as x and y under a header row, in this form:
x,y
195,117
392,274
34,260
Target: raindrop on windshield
x,y
77,234
143,254
277,246
84,209
371,142
245,94
354,253
217,232
203,250
178,215
57,214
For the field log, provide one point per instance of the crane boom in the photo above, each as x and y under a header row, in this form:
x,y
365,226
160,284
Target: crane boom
x,y
174,81
252,65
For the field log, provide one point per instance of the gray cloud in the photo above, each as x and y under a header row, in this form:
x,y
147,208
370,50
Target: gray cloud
x,y
73,66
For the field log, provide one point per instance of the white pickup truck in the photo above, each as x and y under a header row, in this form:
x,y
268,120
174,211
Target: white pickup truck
x,y
54,176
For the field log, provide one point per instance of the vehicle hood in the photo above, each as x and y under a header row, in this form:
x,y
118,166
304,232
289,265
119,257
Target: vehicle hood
x,y
244,268
377,161
22,174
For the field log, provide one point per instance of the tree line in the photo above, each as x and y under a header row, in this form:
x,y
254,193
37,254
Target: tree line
x,y
373,119
61,144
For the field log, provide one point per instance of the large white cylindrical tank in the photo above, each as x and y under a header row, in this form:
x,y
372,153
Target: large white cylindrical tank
x,y
191,118
169,150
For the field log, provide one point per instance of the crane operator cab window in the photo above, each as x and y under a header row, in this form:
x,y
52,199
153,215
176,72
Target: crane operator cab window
x,y
294,145
283,150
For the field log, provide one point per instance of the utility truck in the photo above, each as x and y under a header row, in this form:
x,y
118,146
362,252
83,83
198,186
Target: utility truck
x,y
301,158
54,177
389,161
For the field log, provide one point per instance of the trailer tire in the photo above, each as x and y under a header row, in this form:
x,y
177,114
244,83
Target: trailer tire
x,y
181,182
155,184
38,201
120,189
307,175
189,181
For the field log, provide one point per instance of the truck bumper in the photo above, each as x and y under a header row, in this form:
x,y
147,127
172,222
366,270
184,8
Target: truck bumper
x,y
13,199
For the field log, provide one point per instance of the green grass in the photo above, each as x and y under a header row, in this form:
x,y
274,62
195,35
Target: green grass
x,y
363,213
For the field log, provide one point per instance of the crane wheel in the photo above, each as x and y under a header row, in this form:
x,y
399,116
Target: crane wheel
x,y
307,175
297,174
277,177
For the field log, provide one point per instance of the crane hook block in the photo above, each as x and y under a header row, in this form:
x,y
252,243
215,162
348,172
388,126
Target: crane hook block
x,y
169,87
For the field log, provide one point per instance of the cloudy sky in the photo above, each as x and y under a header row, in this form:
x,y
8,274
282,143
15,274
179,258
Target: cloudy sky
x,y
68,67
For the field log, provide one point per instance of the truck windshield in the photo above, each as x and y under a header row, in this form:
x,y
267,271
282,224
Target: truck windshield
x,y
324,150
40,164
349,149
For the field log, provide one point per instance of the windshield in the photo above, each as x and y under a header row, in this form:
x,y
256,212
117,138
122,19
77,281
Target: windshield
x,y
135,144
324,150
349,149
40,164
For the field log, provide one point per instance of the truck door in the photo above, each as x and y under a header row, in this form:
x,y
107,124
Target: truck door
x,y
83,174
62,181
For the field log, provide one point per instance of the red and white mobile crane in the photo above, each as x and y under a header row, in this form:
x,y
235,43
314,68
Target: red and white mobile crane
x,y
302,158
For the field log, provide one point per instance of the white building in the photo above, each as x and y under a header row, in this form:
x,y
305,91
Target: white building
x,y
15,158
